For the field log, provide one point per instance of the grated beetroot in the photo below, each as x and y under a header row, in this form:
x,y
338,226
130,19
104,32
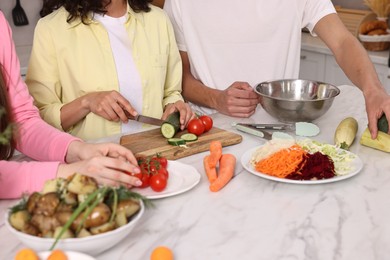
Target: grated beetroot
x,y
316,166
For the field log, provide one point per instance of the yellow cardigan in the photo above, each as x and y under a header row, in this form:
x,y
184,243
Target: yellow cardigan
x,y
69,60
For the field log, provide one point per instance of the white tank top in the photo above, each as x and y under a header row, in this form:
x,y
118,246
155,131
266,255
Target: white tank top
x,y
128,76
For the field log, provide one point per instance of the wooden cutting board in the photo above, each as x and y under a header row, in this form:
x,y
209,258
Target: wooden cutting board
x,y
151,142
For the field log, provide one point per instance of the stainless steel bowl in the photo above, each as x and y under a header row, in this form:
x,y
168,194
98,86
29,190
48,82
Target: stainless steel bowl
x,y
296,100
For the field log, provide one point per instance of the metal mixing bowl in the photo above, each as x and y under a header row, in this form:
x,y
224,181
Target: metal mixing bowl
x,y
296,100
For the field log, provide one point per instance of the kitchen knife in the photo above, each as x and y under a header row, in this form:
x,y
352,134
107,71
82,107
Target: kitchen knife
x,y
288,127
300,128
144,119
254,131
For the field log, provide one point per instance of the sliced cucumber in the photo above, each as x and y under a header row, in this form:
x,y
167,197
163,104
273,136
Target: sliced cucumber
x,y
176,141
189,137
171,125
168,130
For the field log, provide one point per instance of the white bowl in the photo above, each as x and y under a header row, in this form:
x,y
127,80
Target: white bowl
x,y
92,245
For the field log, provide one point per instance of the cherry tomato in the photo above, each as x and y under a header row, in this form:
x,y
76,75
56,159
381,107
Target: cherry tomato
x,y
163,171
140,160
163,162
143,166
152,168
207,122
142,163
144,177
158,182
155,162
196,127
145,181
159,162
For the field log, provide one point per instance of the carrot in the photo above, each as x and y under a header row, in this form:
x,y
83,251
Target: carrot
x,y
215,153
227,166
283,162
211,172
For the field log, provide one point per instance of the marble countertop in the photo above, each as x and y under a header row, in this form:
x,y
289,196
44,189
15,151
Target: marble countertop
x,y
256,218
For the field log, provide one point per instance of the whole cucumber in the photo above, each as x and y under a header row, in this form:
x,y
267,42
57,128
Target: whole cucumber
x,y
383,125
346,132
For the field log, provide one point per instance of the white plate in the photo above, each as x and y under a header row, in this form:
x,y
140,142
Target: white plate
x,y
356,164
70,254
182,177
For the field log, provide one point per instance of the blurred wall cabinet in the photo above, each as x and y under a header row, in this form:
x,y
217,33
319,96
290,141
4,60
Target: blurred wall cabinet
x,y
323,67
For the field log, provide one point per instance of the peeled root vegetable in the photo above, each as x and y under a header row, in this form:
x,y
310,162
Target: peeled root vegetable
x,y
382,141
346,132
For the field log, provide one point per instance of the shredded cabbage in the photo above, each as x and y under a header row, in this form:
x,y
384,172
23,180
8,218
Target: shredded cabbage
x,y
269,148
341,158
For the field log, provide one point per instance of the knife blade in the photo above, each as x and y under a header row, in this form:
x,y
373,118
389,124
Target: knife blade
x,y
254,131
145,119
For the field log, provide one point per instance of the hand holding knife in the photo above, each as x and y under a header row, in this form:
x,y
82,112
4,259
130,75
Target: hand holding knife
x,y
144,119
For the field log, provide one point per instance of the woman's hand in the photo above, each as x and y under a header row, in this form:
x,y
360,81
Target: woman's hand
x,y
377,103
186,113
79,150
107,162
106,171
109,105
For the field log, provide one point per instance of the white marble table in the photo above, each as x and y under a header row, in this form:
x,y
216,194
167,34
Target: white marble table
x,y
255,218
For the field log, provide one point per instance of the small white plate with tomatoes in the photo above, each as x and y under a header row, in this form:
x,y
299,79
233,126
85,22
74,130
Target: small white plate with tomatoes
x,y
181,178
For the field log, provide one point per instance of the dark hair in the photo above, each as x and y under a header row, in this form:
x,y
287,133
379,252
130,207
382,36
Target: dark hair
x,y
6,149
81,8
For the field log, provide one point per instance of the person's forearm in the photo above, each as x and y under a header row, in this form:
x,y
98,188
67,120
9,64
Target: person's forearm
x,y
196,92
358,69
73,112
349,53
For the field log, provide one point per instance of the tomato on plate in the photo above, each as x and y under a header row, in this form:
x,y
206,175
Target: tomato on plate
x,y
159,162
196,127
163,171
158,182
151,167
163,162
207,122
143,176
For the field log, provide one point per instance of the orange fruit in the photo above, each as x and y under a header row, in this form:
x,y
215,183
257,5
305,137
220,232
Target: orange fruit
x,y
26,254
57,254
161,253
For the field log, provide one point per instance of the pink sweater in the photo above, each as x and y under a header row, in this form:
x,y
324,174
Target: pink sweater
x,y
36,138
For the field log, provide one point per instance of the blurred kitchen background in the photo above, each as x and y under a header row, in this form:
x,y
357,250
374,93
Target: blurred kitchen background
x,y
23,35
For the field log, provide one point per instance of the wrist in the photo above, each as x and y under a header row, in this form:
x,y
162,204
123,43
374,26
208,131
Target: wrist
x,y
65,170
85,102
213,98
61,171
72,154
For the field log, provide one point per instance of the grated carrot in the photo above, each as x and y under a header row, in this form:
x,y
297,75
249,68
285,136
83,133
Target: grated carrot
x,y
283,162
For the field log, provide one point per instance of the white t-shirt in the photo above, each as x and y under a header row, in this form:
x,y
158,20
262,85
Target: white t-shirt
x,y
236,40
129,79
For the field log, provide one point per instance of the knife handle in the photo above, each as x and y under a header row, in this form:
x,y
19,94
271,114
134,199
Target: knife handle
x,y
254,131
270,126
